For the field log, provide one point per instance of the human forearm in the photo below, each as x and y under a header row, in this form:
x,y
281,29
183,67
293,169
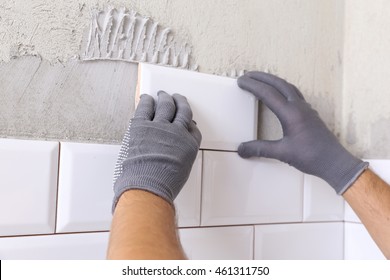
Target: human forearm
x,y
308,145
144,227
369,197
154,163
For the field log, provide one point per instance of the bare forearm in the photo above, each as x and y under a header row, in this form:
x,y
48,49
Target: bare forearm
x,y
144,227
369,197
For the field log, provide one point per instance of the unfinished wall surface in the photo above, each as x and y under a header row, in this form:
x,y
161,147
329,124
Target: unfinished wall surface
x,y
80,101
299,40
366,111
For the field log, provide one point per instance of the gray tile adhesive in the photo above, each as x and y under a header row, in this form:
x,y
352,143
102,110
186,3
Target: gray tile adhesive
x,y
121,34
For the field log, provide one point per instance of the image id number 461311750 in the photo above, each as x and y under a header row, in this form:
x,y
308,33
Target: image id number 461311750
x,y
250,270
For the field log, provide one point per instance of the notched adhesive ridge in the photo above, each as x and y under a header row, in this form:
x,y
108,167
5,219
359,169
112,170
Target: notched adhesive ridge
x,y
119,34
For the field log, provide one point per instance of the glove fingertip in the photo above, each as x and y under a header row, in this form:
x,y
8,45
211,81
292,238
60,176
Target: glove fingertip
x,y
241,82
243,151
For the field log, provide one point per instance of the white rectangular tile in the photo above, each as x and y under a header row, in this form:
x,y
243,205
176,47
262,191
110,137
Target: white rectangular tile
x,y
84,246
28,186
220,243
187,203
85,187
359,245
382,168
305,241
213,100
320,201
249,191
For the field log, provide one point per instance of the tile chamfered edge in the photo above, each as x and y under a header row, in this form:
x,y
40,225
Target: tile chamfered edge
x,y
249,191
320,201
226,115
302,241
187,203
218,243
85,186
84,246
28,186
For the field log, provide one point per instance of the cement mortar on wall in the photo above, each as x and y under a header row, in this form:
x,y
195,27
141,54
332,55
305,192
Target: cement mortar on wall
x,y
66,102
299,40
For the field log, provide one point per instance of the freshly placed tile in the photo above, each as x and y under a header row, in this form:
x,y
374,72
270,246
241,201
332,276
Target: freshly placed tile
x,y
305,241
85,187
226,115
219,243
249,191
187,202
359,245
28,186
84,246
320,201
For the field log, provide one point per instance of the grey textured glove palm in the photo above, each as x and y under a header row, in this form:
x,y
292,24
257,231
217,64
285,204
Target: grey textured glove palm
x,y
159,148
307,143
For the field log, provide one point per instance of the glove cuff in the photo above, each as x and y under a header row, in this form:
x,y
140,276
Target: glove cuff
x,y
140,183
153,177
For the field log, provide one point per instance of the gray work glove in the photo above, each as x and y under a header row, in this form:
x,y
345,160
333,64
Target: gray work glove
x,y
307,143
158,149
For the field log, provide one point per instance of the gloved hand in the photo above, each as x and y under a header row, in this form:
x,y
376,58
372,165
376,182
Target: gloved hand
x,y
158,149
307,143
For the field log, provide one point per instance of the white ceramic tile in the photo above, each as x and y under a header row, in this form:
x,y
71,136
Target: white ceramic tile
x,y
85,187
28,186
187,202
359,244
220,243
306,241
225,114
85,246
320,201
249,191
380,167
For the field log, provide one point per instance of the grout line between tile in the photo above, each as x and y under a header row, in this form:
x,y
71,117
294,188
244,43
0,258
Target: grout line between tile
x,y
353,222
214,150
303,196
263,224
215,226
253,242
201,187
344,202
58,181
53,234
343,240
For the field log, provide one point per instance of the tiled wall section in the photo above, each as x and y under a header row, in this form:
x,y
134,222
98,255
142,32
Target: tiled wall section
x,y
55,203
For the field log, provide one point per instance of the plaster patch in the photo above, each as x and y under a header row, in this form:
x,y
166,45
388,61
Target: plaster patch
x,y
351,131
75,101
119,34
380,139
233,73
